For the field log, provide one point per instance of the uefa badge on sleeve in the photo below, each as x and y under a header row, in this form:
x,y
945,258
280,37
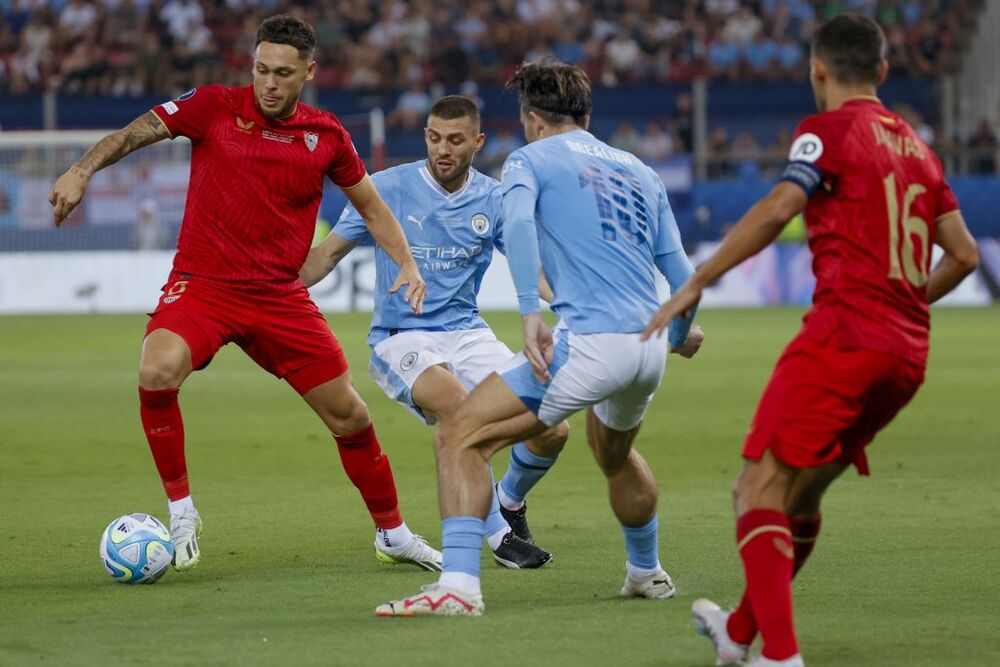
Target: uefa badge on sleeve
x,y
311,139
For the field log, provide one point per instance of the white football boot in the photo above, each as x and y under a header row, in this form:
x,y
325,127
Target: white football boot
x,y
415,552
435,600
657,586
184,531
710,621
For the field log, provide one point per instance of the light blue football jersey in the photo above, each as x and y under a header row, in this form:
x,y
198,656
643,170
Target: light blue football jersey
x,y
451,235
602,218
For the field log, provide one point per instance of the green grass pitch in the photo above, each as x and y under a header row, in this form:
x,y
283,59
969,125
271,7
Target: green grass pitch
x,y
905,572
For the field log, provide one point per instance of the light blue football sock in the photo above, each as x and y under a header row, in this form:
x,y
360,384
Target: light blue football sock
x,y
641,543
523,473
461,542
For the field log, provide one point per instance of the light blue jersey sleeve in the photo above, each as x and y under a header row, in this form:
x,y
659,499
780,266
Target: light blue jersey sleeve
x,y
520,193
673,263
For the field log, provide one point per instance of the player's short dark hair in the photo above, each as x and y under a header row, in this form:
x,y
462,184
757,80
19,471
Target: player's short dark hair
x,y
554,90
285,29
852,46
451,107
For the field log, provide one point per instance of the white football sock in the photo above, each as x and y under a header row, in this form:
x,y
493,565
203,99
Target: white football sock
x,y
640,573
180,507
496,538
461,581
396,537
508,502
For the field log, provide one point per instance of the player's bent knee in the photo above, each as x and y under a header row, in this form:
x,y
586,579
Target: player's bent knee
x,y
550,443
349,419
161,372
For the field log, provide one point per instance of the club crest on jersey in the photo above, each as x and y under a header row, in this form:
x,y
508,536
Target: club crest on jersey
x,y
480,223
807,148
311,139
408,361
245,126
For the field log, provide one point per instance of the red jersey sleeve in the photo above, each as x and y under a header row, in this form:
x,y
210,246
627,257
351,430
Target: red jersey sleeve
x,y
191,114
947,202
811,160
346,169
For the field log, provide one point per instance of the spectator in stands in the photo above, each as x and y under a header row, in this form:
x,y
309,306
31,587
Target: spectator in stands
x,y
181,16
77,17
723,58
926,49
984,144
149,232
746,156
791,57
719,153
626,138
683,121
497,148
743,27
411,108
624,58
760,57
656,143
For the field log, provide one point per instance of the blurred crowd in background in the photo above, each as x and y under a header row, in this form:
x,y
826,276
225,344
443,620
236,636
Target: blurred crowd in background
x,y
425,47
132,47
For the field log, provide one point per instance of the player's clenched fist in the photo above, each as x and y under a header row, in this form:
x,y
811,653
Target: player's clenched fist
x,y
67,193
691,344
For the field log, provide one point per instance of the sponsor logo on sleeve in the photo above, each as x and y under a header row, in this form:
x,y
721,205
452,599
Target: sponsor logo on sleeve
x,y
511,165
170,108
807,148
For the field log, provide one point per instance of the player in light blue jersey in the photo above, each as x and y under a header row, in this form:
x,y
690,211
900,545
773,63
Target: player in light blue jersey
x,y
451,215
599,221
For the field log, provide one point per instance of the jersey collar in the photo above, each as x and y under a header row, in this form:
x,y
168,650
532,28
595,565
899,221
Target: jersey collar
x,y
862,98
436,187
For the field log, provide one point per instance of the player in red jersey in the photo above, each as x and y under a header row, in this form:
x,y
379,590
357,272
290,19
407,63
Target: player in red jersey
x,y
875,201
258,160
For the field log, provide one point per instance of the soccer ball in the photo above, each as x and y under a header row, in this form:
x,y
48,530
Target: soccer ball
x,y
136,549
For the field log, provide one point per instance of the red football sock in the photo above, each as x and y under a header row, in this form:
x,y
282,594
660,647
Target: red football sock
x,y
369,469
765,544
741,626
161,420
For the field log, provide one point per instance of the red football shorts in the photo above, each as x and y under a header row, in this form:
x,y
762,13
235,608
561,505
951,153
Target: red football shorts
x,y
285,334
824,404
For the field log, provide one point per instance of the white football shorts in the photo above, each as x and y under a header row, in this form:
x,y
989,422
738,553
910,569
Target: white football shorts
x,y
398,361
616,373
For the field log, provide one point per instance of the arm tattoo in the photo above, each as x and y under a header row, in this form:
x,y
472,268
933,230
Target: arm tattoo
x,y
143,131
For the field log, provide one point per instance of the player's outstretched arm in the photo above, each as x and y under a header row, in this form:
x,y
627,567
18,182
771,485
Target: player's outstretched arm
x,y
961,255
756,230
324,258
71,186
387,233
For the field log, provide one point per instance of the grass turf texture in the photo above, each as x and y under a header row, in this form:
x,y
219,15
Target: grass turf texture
x,y
904,573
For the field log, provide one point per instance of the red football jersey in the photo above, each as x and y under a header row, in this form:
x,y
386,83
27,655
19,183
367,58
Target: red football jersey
x,y
255,185
876,191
